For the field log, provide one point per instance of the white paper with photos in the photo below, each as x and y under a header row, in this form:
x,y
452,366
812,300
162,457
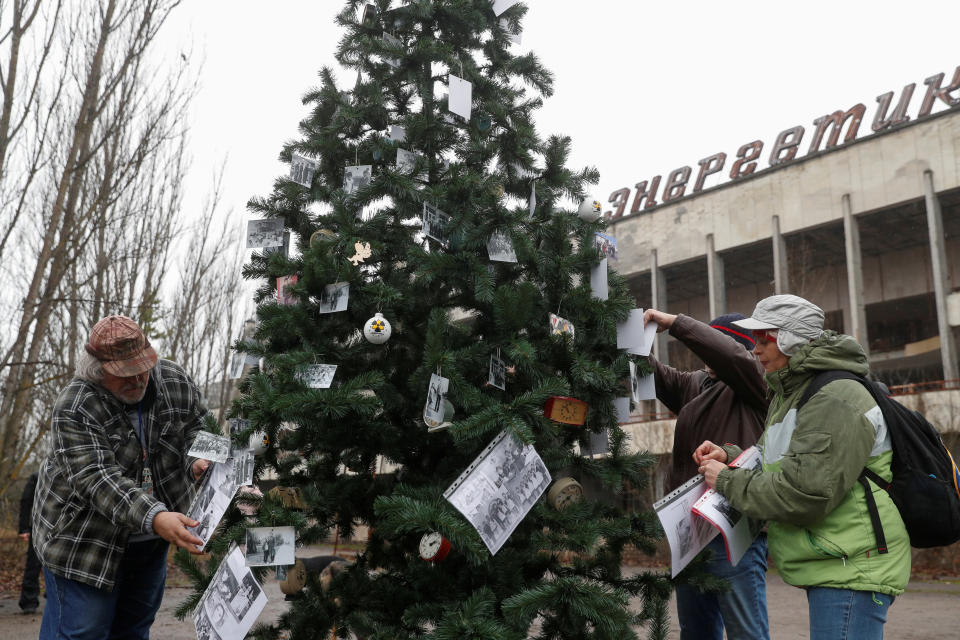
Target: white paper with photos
x,y
334,298
436,224
622,407
242,461
212,500
642,387
269,546
392,41
500,247
317,376
356,177
499,488
497,376
687,533
733,526
236,365
407,160
209,446
397,134
433,408
533,197
265,233
302,169
231,603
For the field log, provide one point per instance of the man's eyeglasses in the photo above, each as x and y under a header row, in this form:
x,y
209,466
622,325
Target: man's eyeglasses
x,y
762,336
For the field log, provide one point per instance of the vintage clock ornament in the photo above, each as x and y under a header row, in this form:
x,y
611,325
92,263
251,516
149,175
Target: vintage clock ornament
x,y
565,410
564,492
590,210
377,329
434,547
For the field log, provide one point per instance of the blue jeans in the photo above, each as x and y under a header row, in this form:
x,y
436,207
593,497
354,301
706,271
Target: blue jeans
x,y
742,609
77,611
844,614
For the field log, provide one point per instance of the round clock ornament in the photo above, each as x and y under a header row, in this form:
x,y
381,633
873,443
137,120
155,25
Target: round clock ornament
x,y
377,329
320,234
590,210
434,547
564,492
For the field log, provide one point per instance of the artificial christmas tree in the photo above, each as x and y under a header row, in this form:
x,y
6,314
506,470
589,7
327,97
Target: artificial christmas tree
x,y
476,261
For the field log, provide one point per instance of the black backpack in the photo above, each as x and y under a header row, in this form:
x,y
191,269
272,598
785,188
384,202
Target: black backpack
x,y
926,481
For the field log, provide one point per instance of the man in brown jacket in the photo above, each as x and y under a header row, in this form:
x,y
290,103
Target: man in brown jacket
x,y
724,402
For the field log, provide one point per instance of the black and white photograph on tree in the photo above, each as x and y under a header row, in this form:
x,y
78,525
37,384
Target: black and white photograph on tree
x,y
499,489
212,500
232,601
242,461
498,373
265,233
317,376
268,546
356,178
302,169
433,409
500,247
407,162
436,224
334,298
210,446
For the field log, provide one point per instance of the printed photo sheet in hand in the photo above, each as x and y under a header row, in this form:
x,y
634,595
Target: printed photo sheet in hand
x,y
714,508
686,532
213,499
231,603
499,488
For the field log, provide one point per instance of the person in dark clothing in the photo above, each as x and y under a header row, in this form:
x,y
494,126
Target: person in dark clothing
x,y
30,587
724,402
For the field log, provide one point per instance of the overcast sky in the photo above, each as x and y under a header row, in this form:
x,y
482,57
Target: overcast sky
x,y
641,87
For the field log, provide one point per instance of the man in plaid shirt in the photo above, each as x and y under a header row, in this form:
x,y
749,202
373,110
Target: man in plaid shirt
x,y
113,488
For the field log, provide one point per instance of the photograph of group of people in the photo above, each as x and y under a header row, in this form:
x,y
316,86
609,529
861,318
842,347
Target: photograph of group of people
x,y
231,603
500,488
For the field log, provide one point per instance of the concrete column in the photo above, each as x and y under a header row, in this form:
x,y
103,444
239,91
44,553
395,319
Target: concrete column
x,y
658,295
941,275
858,311
781,279
717,292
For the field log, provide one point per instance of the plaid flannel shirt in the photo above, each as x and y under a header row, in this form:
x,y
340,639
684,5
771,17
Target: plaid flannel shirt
x,y
88,499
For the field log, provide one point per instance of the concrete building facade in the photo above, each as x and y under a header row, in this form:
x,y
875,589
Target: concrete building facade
x,y
869,230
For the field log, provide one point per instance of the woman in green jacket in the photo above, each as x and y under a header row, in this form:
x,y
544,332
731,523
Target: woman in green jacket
x,y
820,534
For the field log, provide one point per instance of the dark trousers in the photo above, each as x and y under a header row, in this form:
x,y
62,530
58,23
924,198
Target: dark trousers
x,y
30,587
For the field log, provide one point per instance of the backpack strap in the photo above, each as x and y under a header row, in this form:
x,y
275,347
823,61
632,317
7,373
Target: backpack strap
x,y
820,381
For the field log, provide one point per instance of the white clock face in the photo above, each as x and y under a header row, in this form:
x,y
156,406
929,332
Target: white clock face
x,y
430,545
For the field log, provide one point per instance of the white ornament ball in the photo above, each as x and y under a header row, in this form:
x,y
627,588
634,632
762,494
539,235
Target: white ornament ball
x,y
377,329
258,443
590,210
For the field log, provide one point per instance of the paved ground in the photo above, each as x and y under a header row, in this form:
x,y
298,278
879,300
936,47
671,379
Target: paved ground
x,y
928,611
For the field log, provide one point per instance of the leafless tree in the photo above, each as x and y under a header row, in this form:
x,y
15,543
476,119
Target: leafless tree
x,y
205,309
101,138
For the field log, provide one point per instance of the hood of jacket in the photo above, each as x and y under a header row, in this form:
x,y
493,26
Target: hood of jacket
x,y
831,351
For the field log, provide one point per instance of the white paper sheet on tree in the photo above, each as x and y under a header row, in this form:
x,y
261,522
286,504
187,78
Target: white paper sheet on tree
x,y
232,602
460,99
687,533
733,525
499,488
634,336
